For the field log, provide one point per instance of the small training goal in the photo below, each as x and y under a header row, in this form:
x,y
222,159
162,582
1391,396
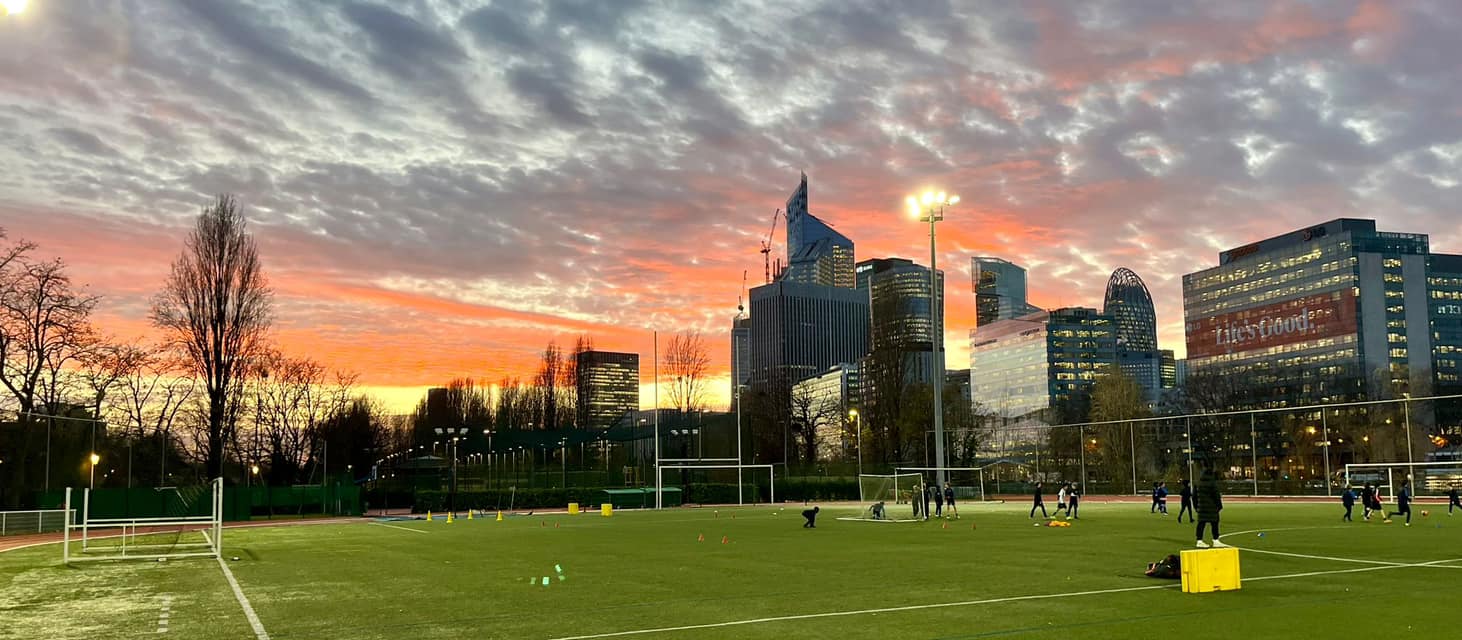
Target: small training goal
x,y
1427,478
188,524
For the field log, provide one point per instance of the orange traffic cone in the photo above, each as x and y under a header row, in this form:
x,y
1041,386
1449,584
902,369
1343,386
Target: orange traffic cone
x,y
555,525
700,538
725,540
946,525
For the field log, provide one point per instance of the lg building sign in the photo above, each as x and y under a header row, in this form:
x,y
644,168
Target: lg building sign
x,y
1309,318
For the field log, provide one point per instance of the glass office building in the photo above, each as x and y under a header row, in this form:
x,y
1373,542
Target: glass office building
x,y
816,254
1036,362
798,330
1129,304
609,387
1330,313
1000,290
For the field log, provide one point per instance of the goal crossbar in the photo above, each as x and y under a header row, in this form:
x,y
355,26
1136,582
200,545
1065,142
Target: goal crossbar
x,y
82,526
660,469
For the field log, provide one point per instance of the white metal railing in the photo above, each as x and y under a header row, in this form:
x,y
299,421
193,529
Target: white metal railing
x,y
14,523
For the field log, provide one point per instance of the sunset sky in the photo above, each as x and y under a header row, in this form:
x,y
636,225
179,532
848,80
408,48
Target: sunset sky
x,y
438,188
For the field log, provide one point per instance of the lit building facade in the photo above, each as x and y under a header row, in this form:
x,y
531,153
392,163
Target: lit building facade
x,y
609,387
816,254
1040,361
826,398
1330,313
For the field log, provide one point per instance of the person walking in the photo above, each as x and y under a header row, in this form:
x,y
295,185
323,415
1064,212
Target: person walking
x,y
1367,501
938,500
1162,498
916,498
1154,498
1348,499
1073,500
1061,497
1186,494
949,500
1039,503
1209,502
1452,500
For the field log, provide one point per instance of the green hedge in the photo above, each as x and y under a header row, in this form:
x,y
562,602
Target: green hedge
x,y
789,490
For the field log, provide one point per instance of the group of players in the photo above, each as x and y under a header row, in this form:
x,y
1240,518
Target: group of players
x,y
922,494
1068,499
1370,497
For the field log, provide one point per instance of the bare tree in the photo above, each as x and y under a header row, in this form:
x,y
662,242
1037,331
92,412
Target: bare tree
x,y
149,399
548,385
812,413
292,401
44,330
215,306
686,361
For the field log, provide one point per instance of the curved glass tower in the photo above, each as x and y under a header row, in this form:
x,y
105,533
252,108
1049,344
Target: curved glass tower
x,y
1130,305
1129,302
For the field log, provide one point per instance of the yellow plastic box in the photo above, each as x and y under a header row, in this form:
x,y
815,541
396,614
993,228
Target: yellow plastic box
x,y
606,509
1206,570
573,508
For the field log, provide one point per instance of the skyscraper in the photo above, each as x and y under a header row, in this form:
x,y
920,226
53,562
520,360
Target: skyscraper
x,y
798,330
900,310
609,387
740,355
1000,290
1130,305
816,254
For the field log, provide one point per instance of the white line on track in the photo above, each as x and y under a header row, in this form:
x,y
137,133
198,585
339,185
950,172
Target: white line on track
x,y
1438,564
165,613
259,631
942,605
382,524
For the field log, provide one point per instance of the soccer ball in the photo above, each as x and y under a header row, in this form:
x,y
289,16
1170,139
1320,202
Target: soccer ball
x,y
1425,513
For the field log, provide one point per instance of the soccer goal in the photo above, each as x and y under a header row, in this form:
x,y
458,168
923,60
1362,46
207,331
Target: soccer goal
x,y
968,482
191,526
747,479
1427,478
896,488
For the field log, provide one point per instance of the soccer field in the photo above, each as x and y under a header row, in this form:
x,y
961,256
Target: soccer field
x,y
646,575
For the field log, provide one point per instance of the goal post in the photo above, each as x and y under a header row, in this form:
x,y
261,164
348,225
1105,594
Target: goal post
x,y
181,532
968,483
894,488
660,470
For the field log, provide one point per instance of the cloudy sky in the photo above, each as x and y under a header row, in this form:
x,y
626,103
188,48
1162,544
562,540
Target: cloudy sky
x,y
439,187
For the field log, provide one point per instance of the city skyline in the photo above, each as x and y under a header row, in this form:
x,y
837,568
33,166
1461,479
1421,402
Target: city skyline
x,y
459,189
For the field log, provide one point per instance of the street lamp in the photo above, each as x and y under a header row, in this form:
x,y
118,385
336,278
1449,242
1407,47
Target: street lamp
x,y
858,429
94,460
454,432
563,455
930,207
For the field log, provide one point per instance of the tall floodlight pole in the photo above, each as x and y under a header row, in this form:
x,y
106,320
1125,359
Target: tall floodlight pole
x,y
656,368
858,429
739,460
930,207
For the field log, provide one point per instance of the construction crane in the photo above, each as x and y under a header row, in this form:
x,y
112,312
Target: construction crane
x,y
766,246
740,308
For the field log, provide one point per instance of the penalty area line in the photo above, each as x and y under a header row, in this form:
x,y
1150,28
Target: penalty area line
x,y
381,524
968,603
253,618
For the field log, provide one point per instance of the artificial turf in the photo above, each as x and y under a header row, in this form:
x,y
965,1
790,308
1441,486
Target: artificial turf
x,y
647,570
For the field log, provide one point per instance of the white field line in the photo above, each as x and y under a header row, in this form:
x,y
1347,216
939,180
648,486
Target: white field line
x,y
259,631
1439,564
392,526
165,614
967,603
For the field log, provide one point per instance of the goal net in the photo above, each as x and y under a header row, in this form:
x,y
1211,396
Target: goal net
x,y
188,523
968,483
1427,478
891,489
700,483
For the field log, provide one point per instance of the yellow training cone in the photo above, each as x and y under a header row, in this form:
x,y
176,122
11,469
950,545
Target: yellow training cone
x,y
449,517
499,516
469,514
428,516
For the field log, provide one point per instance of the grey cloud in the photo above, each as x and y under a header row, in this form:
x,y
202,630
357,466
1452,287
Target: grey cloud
x,y
83,142
270,48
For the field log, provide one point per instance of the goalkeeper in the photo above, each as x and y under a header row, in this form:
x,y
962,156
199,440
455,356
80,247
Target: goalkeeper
x,y
876,511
